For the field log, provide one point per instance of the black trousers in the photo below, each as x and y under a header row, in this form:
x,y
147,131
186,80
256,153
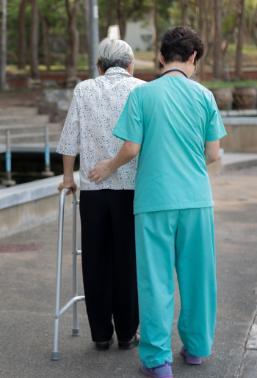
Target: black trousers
x,y
109,263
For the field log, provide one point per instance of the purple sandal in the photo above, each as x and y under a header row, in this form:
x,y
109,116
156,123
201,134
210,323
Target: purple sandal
x,y
162,371
189,359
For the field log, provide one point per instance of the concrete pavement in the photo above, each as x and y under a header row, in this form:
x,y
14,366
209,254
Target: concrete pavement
x,y
27,296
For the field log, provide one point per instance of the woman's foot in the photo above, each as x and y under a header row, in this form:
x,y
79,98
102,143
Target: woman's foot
x,y
103,345
162,371
189,359
125,345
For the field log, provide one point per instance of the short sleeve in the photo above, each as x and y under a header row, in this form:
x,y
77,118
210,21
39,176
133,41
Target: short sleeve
x,y
70,137
215,129
130,126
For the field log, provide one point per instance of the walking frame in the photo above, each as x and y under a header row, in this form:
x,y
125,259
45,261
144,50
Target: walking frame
x,y
59,311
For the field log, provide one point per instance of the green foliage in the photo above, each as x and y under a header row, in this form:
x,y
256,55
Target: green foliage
x,y
219,84
228,18
169,14
12,29
133,10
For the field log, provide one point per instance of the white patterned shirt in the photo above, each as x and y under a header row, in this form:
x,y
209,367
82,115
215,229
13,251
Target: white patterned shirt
x,y
95,108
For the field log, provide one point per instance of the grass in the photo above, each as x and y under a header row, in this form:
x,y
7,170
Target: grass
x,y
248,49
217,84
144,55
56,67
249,56
249,62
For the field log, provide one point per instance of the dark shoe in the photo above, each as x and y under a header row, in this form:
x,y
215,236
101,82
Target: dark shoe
x,y
103,345
126,345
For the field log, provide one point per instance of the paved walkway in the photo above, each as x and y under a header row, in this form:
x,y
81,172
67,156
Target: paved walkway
x,y
27,292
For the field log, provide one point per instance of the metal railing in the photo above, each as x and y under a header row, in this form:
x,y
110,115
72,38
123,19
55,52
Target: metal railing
x,y
8,180
8,160
59,311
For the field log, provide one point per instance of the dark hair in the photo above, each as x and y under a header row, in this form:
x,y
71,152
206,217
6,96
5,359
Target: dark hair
x,y
179,44
105,64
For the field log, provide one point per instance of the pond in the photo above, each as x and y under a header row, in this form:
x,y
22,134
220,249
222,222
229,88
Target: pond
x,y
29,166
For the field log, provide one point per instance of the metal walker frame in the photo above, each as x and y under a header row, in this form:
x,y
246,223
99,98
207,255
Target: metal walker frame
x,y
59,311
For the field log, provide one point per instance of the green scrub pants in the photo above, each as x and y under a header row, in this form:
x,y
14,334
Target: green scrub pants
x,y
183,239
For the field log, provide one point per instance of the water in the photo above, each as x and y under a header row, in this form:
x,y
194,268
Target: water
x,y
28,166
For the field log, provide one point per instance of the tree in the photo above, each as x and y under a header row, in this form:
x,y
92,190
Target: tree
x,y
217,51
161,11
122,17
157,34
118,12
53,20
46,47
72,7
240,35
202,25
22,36
34,40
184,5
3,43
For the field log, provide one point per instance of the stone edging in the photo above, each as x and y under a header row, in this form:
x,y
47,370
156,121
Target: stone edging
x,y
28,192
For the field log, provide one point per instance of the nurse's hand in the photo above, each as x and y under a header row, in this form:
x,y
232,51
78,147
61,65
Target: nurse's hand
x,y
102,170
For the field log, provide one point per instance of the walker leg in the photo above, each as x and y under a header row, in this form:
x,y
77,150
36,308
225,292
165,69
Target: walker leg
x,y
75,321
55,353
75,328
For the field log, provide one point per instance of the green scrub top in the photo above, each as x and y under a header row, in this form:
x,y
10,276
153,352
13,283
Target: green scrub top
x,y
172,118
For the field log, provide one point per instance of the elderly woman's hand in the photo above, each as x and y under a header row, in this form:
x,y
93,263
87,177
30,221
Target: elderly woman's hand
x,y
68,183
102,170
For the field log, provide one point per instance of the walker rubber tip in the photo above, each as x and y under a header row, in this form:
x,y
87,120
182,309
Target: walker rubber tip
x,y
55,356
75,332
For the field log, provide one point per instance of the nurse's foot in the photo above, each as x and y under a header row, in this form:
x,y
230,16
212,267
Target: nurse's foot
x,y
162,371
189,359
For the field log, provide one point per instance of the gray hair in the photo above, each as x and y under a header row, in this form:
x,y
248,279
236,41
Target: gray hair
x,y
114,53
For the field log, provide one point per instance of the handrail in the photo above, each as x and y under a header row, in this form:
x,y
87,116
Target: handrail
x,y
8,181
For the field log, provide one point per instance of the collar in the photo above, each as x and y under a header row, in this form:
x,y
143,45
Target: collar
x,y
117,71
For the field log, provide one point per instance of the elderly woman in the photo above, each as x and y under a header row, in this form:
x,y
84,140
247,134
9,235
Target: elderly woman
x,y
175,125
106,209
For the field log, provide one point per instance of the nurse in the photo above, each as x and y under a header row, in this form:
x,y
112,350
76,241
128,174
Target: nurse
x,y
173,123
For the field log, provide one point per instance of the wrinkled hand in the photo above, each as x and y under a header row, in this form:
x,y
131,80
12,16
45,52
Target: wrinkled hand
x,y
68,184
102,170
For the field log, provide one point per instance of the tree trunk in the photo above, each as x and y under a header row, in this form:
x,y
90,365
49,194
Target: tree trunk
x,y
47,57
240,36
72,7
217,53
22,48
110,17
121,17
254,28
34,40
87,21
184,12
3,43
204,29
156,36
